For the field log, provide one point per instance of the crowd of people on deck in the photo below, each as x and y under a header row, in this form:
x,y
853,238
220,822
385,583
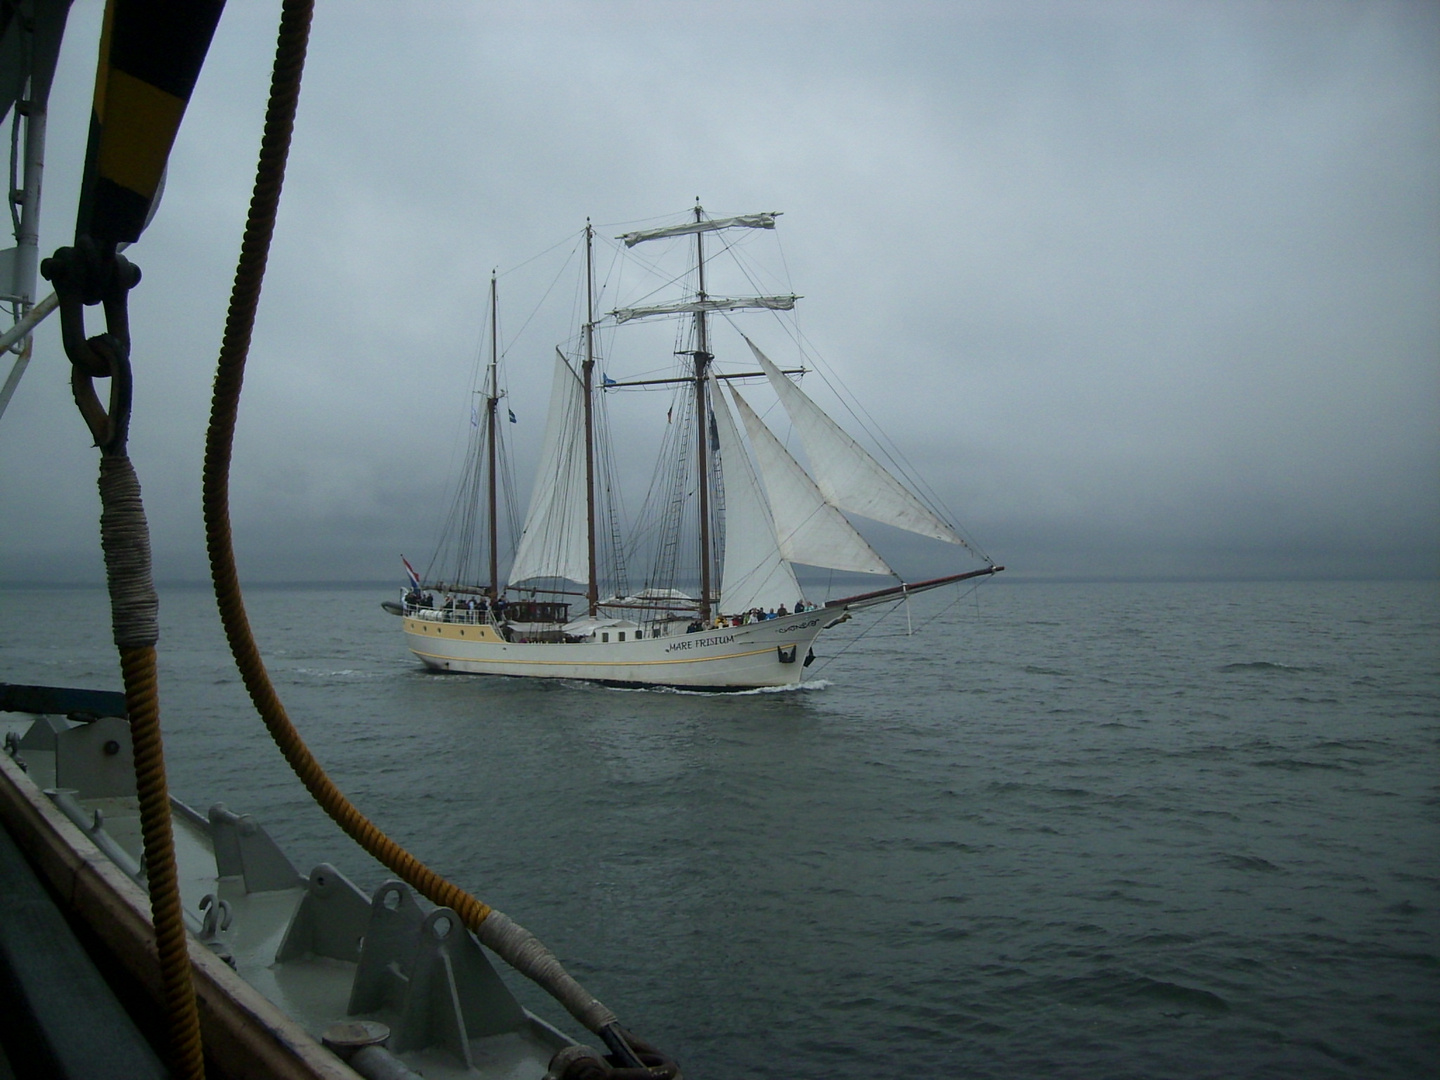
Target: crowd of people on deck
x,y
481,605
754,615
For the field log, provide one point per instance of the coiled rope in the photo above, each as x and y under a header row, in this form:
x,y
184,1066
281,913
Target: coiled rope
x,y
86,273
506,938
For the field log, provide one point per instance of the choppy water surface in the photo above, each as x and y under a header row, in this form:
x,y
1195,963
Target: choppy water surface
x,y
1064,830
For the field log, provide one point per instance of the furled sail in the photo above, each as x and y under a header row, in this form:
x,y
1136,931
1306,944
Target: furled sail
x,y
554,543
744,221
809,530
845,472
755,574
719,303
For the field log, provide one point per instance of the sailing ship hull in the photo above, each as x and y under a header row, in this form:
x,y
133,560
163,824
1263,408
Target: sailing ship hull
x,y
770,653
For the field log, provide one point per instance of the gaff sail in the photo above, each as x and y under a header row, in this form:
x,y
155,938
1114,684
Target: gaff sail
x,y
554,543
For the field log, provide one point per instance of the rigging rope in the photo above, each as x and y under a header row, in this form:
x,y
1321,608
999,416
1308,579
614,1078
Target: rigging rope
x,y
508,939
89,273
974,588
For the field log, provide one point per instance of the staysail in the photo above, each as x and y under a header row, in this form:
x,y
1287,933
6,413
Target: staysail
x,y
847,475
808,528
554,543
755,573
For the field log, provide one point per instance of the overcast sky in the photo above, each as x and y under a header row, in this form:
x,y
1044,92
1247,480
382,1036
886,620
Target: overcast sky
x,y
1141,288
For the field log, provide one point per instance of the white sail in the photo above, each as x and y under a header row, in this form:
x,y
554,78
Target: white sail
x,y
744,221
755,574
555,541
845,472
719,303
809,530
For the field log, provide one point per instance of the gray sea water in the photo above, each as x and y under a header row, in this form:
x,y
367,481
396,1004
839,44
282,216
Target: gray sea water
x,y
1103,830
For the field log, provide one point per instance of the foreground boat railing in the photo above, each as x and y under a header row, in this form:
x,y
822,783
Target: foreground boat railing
x,y
407,976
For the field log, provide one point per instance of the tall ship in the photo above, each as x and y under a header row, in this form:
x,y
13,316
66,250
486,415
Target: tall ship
x,y
729,514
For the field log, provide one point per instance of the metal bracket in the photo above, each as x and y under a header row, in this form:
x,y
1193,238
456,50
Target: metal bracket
x,y
96,759
329,921
433,973
244,849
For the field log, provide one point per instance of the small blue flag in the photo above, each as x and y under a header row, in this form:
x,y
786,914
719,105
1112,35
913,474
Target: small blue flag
x,y
512,416
606,380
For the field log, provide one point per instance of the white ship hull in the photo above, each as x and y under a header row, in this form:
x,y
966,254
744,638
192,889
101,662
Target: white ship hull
x,y
768,653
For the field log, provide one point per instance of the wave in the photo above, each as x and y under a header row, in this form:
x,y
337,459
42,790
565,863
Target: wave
x,y
1116,988
809,686
1250,862
1269,665
1298,765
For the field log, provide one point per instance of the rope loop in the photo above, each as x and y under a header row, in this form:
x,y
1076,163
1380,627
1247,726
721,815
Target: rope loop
x,y
585,1063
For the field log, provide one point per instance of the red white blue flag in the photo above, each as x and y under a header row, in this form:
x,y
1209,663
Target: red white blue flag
x,y
410,570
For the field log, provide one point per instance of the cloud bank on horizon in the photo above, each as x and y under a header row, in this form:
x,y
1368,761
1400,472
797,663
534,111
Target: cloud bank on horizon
x,y
1141,290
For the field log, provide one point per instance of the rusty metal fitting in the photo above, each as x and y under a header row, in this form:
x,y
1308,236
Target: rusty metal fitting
x,y
84,275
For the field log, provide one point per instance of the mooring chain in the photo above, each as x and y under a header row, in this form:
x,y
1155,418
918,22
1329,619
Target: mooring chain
x,y
85,275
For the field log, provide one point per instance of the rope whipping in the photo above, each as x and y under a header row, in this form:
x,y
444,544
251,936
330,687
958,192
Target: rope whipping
x,y
91,273
506,938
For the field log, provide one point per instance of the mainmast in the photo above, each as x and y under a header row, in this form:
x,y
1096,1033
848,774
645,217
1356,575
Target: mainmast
x,y
592,589
702,361
700,306
492,405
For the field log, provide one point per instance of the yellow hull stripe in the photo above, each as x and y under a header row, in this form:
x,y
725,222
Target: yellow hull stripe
x,y
466,632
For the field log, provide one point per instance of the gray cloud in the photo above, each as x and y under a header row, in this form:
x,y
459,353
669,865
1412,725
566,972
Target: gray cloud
x,y
1141,289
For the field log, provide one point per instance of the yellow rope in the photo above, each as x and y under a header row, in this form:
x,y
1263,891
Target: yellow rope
x,y
143,706
511,941
279,121
134,615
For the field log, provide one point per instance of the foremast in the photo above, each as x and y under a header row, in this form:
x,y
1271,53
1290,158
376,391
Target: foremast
x,y
492,407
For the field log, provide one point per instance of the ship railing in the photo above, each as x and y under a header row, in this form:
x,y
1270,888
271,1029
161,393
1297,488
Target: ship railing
x,y
464,616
